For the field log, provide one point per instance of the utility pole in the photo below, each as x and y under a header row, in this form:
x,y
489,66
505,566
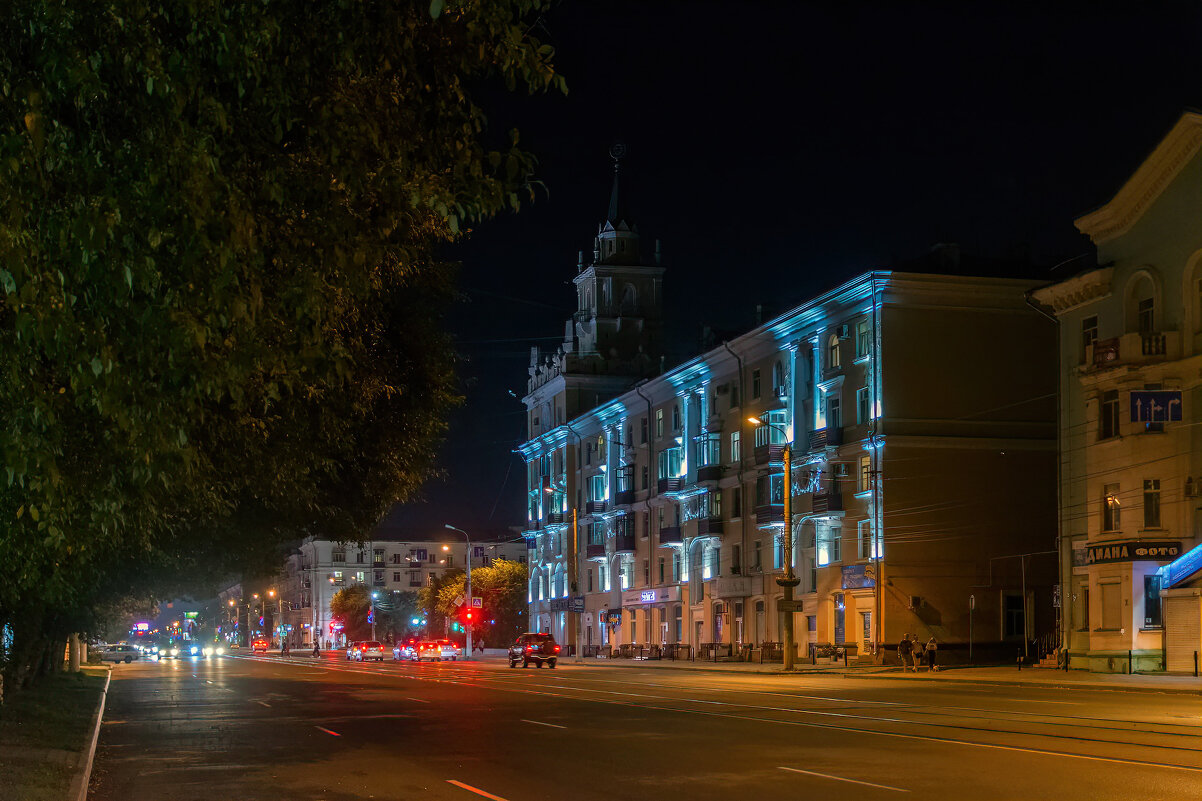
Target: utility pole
x,y
468,649
788,581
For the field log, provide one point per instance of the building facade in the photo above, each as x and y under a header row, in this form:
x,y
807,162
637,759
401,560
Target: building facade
x,y
922,488
1130,433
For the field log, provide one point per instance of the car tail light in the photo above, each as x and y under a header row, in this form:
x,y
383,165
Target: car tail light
x,y
529,648
557,649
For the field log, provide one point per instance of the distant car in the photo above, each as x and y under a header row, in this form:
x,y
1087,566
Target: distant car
x,y
369,649
448,650
119,653
534,647
212,650
405,650
259,645
351,647
427,649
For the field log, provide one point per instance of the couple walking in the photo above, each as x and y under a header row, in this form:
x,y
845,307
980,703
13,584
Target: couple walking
x,y
911,651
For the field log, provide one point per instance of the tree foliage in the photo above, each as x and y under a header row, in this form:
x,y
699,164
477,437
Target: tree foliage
x,y
502,588
219,294
350,606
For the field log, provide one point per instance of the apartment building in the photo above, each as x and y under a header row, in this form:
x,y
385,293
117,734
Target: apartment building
x,y
920,414
1130,439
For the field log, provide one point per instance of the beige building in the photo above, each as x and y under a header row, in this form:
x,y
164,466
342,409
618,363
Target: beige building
x,y
923,483
1130,345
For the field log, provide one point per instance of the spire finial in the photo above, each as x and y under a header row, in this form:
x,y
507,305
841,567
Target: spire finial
x,y
617,152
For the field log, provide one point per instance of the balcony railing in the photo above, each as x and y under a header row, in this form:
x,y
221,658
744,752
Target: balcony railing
x,y
825,438
667,486
555,518
709,473
377,563
773,453
827,502
1134,348
595,507
670,535
769,513
709,526
624,543
594,551
624,497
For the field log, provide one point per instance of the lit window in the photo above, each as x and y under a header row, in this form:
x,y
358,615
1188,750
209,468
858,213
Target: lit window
x,y
862,339
863,406
832,352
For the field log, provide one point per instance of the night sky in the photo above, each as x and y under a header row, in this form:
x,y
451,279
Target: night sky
x,y
779,149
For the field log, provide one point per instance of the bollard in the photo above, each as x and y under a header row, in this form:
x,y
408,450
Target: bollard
x,y
1195,664
844,657
1128,661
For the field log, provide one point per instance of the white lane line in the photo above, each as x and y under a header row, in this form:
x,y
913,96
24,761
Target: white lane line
x,y
841,779
263,703
475,790
419,700
540,723
327,731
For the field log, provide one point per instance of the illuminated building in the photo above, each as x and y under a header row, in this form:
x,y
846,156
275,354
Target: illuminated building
x,y
922,413
1131,465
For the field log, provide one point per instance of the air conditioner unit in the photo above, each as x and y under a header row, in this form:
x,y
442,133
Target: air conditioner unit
x,y
844,331
915,602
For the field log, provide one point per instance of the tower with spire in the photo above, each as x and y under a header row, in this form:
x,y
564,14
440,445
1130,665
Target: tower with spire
x,y
615,337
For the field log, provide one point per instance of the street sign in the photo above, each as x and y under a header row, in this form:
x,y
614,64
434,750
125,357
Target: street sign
x,y
578,603
788,606
1156,406
458,601
477,603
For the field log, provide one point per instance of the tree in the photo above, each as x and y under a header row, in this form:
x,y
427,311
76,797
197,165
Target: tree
x,y
219,291
502,589
350,606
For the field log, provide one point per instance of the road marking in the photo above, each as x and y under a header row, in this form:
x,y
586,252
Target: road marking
x,y
327,731
419,700
263,703
540,723
475,790
841,779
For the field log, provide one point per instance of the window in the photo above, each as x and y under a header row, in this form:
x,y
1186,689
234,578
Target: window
x,y
813,574
337,576
1111,508
778,553
709,450
660,565
338,556
1112,609
1147,316
659,423
418,554
450,560
866,546
779,378
736,447
1110,415
646,476
862,339
1089,334
590,579
1152,503
359,575
676,566
757,559
646,572
597,488
643,430
378,555
588,452
676,417
834,415
646,532
866,623
361,558
736,559
755,384
832,352
829,545
865,473
396,576
772,432
770,490
669,463
1152,615
736,502
1012,616
734,396
396,558
863,406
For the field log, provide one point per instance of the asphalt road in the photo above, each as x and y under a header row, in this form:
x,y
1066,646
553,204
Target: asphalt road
x,y
266,728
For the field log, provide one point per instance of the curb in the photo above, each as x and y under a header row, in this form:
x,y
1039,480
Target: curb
x,y
79,785
1053,685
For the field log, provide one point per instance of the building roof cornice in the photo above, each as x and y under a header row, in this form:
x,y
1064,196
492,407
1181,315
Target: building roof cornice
x,y
1076,291
1158,170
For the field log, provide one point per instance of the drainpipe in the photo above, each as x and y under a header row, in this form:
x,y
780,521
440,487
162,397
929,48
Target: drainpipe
x,y
742,500
574,555
652,487
878,532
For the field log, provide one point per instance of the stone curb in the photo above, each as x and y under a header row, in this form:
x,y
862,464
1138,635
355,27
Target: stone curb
x,y
79,785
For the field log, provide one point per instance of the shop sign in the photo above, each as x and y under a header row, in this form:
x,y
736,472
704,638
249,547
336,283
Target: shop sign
x,y
1131,551
1184,567
855,577
659,595
561,604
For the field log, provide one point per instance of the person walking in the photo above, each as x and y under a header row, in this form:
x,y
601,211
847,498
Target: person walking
x,y
903,652
932,647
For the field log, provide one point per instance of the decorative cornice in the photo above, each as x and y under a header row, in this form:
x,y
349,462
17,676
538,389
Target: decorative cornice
x,y
1159,169
1076,291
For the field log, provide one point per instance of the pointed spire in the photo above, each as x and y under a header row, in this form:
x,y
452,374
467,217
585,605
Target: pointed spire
x,y
617,211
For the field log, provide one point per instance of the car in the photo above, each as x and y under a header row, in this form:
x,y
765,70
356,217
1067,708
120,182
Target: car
x,y
118,653
448,650
428,649
369,649
534,647
212,650
259,645
351,647
405,650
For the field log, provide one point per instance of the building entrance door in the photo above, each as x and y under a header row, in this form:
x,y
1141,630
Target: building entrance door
x,y
840,633
698,633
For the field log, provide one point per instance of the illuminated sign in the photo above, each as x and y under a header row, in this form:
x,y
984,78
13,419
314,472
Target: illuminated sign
x,y
1183,568
141,627
1131,551
191,615
659,595
647,596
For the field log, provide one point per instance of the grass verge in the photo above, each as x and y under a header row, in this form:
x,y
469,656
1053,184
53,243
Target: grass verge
x,y
43,732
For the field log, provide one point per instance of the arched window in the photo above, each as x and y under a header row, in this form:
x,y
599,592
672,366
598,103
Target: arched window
x,y
1142,315
1193,294
779,378
832,352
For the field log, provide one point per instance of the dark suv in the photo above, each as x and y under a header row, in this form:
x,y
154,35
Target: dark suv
x,y
536,648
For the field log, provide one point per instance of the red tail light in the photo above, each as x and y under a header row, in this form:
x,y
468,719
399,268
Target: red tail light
x,y
557,649
529,647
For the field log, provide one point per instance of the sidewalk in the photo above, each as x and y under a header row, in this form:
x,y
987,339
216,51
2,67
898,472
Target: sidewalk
x,y
962,675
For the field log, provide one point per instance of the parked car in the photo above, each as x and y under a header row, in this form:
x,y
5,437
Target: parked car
x,y
369,649
119,653
534,647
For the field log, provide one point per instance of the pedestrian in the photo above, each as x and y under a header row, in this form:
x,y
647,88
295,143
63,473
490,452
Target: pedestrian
x,y
916,650
932,647
284,648
903,651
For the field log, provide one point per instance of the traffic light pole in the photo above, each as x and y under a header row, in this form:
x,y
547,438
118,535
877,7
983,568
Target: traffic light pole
x,y
467,656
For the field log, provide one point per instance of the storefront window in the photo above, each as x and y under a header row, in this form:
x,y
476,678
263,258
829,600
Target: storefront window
x,y
1152,613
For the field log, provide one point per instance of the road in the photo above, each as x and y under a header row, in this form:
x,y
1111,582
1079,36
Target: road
x,y
255,727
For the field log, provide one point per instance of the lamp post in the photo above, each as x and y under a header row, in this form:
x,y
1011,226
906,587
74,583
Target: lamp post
x,y
788,581
468,649
374,596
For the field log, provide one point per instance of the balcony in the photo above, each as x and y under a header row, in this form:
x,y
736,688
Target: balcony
x,y
377,563
670,535
668,486
624,543
709,527
531,543
824,502
825,438
770,454
595,551
596,507
1134,348
624,497
770,514
709,474
377,582
554,518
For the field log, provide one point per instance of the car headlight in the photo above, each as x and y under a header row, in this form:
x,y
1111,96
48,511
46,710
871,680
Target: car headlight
x,y
175,652
220,650
207,651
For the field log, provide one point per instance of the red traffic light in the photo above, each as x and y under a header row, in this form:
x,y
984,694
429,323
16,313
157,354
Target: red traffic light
x,y
469,615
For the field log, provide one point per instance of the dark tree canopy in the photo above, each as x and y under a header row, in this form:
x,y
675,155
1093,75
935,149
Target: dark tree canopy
x,y
219,295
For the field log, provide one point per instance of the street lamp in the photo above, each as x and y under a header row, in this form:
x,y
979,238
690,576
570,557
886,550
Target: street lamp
x,y
468,650
788,581
374,596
